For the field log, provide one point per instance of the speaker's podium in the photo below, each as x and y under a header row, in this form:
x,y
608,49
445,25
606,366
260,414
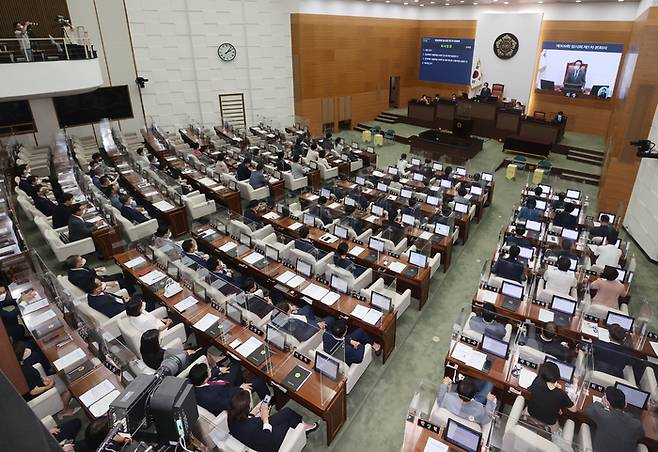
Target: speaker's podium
x,y
462,127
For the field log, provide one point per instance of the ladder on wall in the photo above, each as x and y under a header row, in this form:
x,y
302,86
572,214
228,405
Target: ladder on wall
x,y
231,109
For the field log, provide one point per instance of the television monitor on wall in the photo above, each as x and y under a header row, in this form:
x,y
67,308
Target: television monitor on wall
x,y
112,102
446,60
16,117
576,69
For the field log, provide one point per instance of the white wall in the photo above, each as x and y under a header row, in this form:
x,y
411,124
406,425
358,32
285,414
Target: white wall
x,y
176,44
517,72
641,219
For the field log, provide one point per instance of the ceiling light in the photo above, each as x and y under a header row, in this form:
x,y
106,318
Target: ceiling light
x,y
620,0
431,3
506,3
388,1
421,5
475,3
406,3
540,1
579,1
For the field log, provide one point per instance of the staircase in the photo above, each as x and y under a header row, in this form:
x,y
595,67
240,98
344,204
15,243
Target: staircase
x,y
588,156
592,179
388,118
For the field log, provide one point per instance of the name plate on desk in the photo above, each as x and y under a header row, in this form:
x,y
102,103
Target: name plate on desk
x,y
429,426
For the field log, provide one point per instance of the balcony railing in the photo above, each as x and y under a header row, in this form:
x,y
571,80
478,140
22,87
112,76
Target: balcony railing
x,y
73,46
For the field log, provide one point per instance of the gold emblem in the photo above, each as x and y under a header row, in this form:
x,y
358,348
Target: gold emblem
x,y
505,46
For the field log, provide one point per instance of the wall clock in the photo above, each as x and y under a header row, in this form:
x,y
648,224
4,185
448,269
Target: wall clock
x,y
505,46
226,51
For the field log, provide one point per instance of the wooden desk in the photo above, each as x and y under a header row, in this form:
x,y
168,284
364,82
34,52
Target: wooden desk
x,y
324,398
417,436
535,147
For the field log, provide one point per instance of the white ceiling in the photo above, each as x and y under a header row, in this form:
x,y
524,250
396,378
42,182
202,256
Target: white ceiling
x,y
434,3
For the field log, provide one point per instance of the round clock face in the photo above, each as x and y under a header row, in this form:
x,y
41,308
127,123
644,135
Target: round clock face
x,y
226,52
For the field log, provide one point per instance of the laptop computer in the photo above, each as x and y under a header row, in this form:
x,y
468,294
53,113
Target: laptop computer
x,y
462,436
563,310
636,399
417,261
547,85
493,346
513,294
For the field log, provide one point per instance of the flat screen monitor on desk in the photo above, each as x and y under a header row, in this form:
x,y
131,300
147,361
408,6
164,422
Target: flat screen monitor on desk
x,y
382,187
432,200
408,220
545,189
303,267
377,210
234,313
245,239
437,167
461,436
418,177
326,365
570,234
495,346
634,397
325,192
532,225
461,207
349,201
460,171
271,253
275,337
393,171
476,190
309,220
407,194
339,284
360,180
487,177
381,301
573,194
563,305
624,321
442,229
526,253
376,244
418,259
415,162
566,370
540,205
340,232
512,290
446,183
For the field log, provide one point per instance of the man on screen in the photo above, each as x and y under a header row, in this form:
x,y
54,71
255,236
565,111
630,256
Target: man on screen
x,y
575,77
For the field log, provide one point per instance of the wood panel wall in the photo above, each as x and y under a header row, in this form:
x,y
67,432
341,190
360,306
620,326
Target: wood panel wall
x,y
585,115
41,11
636,98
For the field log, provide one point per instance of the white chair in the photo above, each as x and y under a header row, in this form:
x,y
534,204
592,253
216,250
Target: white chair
x,y
468,332
199,206
434,262
364,279
585,440
497,282
248,193
400,302
604,379
293,184
236,227
519,438
48,403
328,173
392,247
100,320
546,295
294,441
318,266
439,416
353,372
133,336
63,250
136,232
271,240
648,383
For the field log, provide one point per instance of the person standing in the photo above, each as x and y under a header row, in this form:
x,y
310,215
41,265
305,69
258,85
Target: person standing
x,y
21,31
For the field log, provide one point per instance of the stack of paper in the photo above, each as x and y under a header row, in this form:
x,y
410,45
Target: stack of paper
x,y
228,246
206,322
248,347
312,197
285,277
545,315
368,315
426,235
487,296
33,321
434,445
96,393
526,377
372,218
253,258
392,197
271,216
315,292
207,232
356,251
296,225
604,335
295,281
206,181
132,263
70,359
330,298
163,206
397,267
33,307
469,356
172,290
186,303
152,277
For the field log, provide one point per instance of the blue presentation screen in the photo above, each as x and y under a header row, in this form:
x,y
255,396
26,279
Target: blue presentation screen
x,y
446,60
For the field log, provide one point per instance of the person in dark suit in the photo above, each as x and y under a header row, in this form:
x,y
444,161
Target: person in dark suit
x,y
565,250
354,343
84,277
529,211
559,202
392,229
508,267
45,205
281,164
565,219
104,302
342,260
410,209
612,357
219,269
78,228
517,238
351,221
303,243
327,143
29,185
321,212
191,250
257,179
243,172
63,211
215,387
548,341
263,433
252,216
485,92
575,75
130,212
598,231
304,315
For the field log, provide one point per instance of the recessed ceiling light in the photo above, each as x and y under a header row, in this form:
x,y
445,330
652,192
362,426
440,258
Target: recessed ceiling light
x,y
388,1
431,3
475,3
540,1
579,1
506,3
406,3
620,0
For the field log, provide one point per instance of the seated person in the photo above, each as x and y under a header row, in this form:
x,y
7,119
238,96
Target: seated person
x,y
608,253
603,229
84,277
471,400
106,303
94,436
539,192
142,320
302,326
354,342
115,196
257,179
219,269
344,261
243,172
352,221
281,163
410,209
612,357
252,301
559,279
547,340
393,231
485,322
608,289
529,211
298,170
221,167
63,211
313,154
509,267
615,430
305,314
262,432
565,250
560,202
29,185
305,244
327,143
402,165
130,211
485,92
162,238
142,155
322,159
428,169
518,238
78,228
191,250
214,387
395,182
153,354
253,218
106,185
547,399
42,203
320,211
461,193
565,219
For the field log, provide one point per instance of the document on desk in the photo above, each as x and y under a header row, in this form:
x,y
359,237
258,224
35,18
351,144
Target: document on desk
x,y
33,321
136,262
434,445
97,392
333,205
397,267
426,235
100,408
228,246
248,347
373,316
33,307
295,281
546,315
95,219
469,356
206,322
392,197
152,277
526,377
372,218
207,232
435,188
296,225
329,238
312,197
330,298
360,311
186,303
207,181
315,292
271,216
487,296
69,359
253,258
589,328
172,289
163,205
378,174
356,251
604,335
285,277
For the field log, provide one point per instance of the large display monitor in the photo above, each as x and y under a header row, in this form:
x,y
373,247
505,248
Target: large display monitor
x,y
112,102
578,68
446,60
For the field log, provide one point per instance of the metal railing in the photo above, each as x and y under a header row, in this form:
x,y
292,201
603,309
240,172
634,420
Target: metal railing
x,y
74,45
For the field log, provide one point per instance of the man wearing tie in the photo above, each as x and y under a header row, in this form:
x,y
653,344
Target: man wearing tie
x,y
576,75
78,228
104,302
485,92
85,277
